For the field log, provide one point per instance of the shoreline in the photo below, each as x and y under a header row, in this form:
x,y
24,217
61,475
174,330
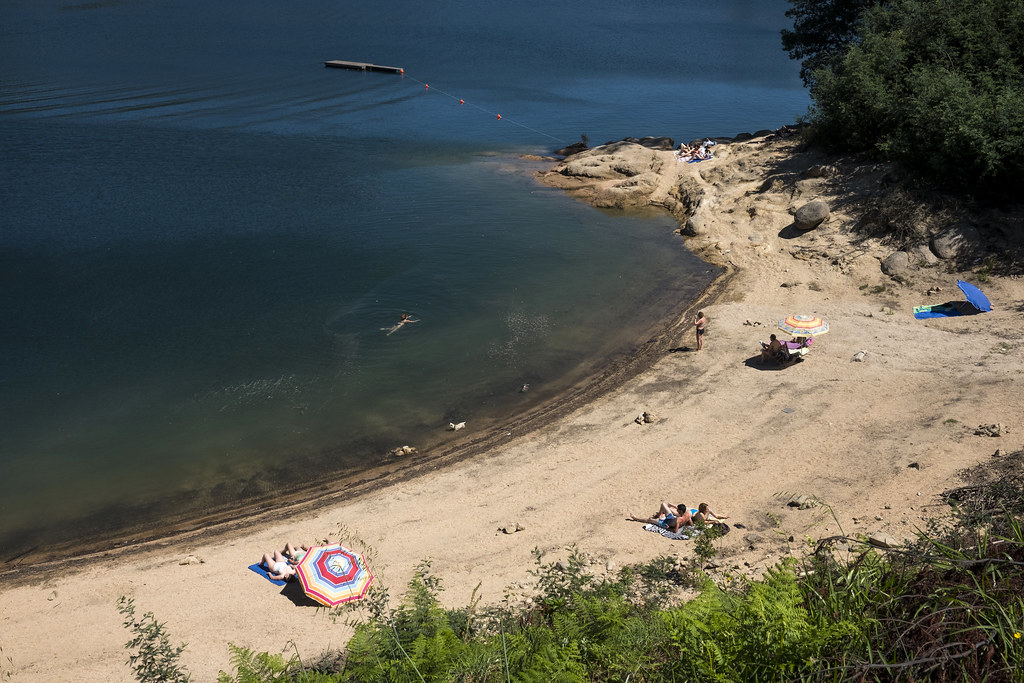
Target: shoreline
x,y
876,440
612,368
212,527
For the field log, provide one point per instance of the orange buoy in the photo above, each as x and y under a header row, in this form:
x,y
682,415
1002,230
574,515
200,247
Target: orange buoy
x,y
462,101
426,87
499,117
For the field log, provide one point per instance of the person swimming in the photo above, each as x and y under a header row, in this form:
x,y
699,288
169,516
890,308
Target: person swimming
x,y
394,328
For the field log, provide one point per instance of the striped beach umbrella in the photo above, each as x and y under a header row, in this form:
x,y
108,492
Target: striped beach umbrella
x,y
803,325
333,574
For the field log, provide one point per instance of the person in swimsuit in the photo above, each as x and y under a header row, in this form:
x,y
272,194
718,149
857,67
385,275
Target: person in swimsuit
x,y
705,515
773,351
278,566
699,321
394,328
671,517
295,554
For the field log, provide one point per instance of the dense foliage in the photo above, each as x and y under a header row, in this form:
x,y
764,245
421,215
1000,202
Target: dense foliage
x,y
935,84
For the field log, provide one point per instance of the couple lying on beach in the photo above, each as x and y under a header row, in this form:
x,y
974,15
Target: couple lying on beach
x,y
674,517
281,564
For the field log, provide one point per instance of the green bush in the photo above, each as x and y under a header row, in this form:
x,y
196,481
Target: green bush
x,y
152,657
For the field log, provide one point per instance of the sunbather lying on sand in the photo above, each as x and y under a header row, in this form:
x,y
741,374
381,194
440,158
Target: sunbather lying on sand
x,y
278,566
295,555
670,517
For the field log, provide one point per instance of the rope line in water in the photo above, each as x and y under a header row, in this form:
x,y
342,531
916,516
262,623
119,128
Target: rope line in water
x,y
461,101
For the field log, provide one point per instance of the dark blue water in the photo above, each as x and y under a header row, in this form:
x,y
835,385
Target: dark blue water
x,y
204,231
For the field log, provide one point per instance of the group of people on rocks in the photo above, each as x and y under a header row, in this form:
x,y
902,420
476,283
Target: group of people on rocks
x,y
695,152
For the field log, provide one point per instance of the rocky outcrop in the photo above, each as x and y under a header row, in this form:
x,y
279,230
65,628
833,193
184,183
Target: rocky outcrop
x,y
627,175
613,161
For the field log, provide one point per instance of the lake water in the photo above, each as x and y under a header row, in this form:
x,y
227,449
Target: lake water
x,y
205,233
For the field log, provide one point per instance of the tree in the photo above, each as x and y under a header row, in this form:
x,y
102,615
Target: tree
x,y
938,86
822,32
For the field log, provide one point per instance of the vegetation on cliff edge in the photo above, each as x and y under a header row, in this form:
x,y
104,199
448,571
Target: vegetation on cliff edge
x,y
937,85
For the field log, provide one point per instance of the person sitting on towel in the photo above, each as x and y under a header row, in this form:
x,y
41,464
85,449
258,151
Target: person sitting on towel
x,y
705,515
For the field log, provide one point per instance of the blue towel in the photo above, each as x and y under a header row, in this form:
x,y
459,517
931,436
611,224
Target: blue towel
x,y
259,569
937,311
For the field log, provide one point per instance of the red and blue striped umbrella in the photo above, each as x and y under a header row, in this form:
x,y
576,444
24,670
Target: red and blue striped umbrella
x,y
333,574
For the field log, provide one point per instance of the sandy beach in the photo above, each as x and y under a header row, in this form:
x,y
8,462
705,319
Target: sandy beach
x,y
877,439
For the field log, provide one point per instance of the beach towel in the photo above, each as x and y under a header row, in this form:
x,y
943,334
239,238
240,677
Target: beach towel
x,y
936,311
684,535
259,569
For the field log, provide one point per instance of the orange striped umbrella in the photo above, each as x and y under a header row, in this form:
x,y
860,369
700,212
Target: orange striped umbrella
x,y
803,325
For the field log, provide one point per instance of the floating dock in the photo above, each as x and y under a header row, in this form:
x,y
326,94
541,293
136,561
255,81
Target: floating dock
x,y
363,66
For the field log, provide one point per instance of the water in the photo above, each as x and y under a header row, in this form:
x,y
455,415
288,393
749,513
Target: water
x,y
204,232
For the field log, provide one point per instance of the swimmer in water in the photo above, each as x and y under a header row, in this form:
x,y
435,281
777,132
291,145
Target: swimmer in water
x,y
394,328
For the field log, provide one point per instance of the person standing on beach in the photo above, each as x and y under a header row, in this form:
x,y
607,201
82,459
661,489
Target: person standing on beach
x,y
699,321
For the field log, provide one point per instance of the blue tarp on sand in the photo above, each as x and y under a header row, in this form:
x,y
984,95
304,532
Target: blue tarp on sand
x,y
979,303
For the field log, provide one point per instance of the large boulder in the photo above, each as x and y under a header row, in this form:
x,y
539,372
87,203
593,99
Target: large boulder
x,y
957,241
897,264
811,215
694,226
923,255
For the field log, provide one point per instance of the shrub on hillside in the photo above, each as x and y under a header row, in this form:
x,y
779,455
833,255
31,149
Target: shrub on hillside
x,y
938,86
